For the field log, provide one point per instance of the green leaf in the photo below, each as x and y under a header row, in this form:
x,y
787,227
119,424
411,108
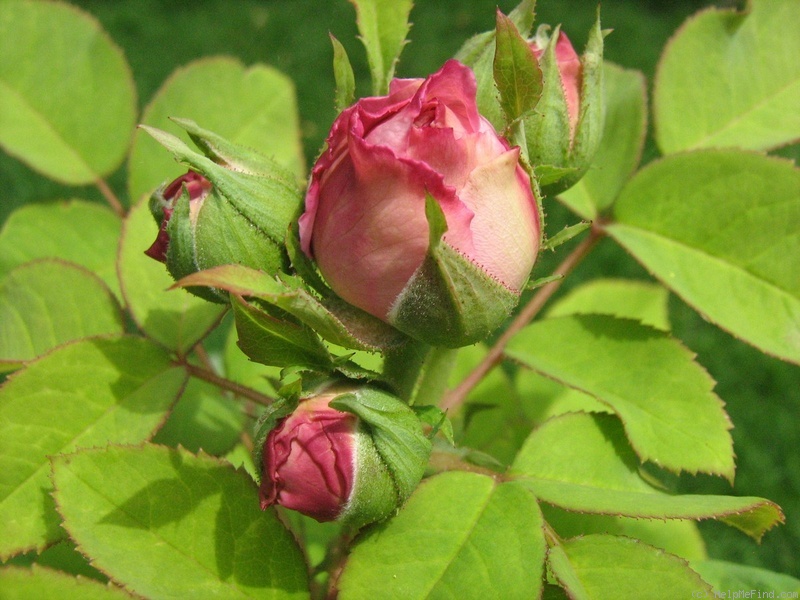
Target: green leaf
x,y
719,228
64,557
516,71
620,147
40,582
728,79
725,576
494,419
67,97
460,534
203,418
253,106
676,536
664,399
542,398
602,475
49,302
606,566
279,342
343,73
171,524
84,394
173,318
623,298
334,320
239,368
383,25
81,232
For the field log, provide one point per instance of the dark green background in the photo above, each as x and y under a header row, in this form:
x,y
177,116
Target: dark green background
x,y
762,394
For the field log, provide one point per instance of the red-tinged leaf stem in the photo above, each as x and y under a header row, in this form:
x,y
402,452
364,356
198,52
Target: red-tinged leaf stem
x,y
454,398
226,384
110,197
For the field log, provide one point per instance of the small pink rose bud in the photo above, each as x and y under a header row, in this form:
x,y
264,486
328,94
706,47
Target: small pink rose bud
x,y
309,460
367,226
353,455
197,187
570,70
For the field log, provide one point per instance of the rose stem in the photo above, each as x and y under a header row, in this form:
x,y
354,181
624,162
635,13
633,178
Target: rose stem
x,y
456,397
110,197
226,384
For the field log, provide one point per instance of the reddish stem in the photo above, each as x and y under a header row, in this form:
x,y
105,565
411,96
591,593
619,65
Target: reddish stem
x,y
110,197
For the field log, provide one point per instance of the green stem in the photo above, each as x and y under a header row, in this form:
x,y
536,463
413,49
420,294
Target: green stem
x,y
402,368
419,373
456,397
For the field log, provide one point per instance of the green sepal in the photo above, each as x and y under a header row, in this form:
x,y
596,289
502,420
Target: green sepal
x,y
343,74
233,156
478,53
548,130
565,235
302,265
591,118
449,301
210,232
516,71
223,235
374,496
397,435
437,419
181,252
334,320
537,283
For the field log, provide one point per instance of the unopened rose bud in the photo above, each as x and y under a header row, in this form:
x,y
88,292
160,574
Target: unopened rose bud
x,y
367,219
564,130
348,455
232,207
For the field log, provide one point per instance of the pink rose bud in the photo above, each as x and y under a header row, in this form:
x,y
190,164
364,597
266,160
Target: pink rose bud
x,y
309,460
569,69
197,187
564,131
365,220
353,455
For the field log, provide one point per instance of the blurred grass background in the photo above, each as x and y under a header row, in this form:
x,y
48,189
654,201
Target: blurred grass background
x,y
762,394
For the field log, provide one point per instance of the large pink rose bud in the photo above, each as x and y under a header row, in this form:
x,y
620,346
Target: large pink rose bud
x,y
419,213
353,455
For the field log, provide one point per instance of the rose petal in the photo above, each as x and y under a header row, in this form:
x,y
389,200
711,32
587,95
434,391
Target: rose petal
x,y
505,229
